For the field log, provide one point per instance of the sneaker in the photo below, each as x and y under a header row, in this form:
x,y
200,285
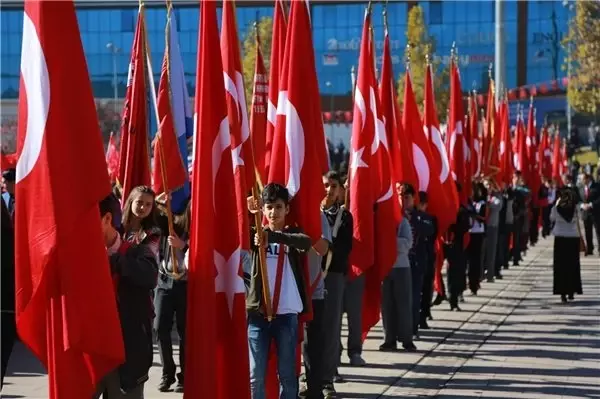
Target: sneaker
x,y
409,347
165,383
329,391
179,387
356,360
388,347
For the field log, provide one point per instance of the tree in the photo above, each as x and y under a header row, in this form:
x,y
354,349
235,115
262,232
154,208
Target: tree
x,y
583,57
420,46
265,31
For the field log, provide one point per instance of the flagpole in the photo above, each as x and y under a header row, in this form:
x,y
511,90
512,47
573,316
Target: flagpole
x,y
256,190
163,167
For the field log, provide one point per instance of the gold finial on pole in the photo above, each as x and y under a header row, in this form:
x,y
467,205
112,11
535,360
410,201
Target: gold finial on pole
x,y
491,67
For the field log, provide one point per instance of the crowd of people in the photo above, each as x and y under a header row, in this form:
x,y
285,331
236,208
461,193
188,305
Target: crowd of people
x,y
492,232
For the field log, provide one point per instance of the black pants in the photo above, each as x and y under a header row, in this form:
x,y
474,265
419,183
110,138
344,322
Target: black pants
x,y
171,302
427,292
533,225
456,273
417,272
516,242
9,335
312,351
589,224
546,222
475,255
501,253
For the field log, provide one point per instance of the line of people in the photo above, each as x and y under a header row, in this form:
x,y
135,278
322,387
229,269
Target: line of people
x,y
149,273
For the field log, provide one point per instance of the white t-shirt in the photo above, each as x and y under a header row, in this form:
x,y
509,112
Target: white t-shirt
x,y
289,297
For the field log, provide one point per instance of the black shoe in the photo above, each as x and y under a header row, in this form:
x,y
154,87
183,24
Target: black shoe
x,y
571,297
423,324
505,267
328,391
563,298
454,307
438,299
499,276
429,317
165,383
409,347
338,379
474,292
388,347
461,298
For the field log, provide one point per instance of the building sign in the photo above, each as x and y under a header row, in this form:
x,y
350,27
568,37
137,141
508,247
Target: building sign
x,y
330,60
334,44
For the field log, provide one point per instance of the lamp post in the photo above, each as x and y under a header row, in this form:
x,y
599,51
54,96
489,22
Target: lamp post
x,y
114,50
331,99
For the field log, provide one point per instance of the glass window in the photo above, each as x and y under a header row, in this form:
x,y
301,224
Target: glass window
x,y
435,12
127,21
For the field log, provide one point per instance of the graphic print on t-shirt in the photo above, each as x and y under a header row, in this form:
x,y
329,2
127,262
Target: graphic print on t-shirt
x,y
289,297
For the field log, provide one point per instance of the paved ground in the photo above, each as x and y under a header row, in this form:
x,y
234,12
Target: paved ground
x,y
514,340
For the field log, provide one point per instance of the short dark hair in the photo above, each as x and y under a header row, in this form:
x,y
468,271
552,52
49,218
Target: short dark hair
x,y
10,175
422,197
273,192
111,205
408,189
334,175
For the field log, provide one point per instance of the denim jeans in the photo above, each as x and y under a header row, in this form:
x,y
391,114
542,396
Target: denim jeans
x,y
283,329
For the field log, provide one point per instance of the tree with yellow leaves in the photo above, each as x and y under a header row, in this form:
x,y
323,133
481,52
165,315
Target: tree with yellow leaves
x,y
420,46
265,31
582,45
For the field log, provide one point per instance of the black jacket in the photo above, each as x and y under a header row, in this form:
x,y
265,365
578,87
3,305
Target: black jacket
x,y
8,260
424,228
342,244
136,271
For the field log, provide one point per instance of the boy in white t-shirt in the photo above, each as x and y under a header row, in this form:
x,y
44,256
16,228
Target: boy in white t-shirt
x,y
285,248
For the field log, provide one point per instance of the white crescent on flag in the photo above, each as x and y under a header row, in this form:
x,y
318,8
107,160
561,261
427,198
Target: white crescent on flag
x,y
294,140
34,72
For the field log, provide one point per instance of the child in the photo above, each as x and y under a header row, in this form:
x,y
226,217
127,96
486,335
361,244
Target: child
x,y
285,246
171,293
133,262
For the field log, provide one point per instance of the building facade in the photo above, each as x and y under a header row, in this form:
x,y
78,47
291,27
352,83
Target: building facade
x,y
533,32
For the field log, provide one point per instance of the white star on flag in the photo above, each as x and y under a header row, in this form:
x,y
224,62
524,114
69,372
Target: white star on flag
x,y
357,161
228,279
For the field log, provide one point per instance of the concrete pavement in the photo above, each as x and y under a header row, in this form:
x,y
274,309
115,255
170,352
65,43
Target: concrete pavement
x,y
514,340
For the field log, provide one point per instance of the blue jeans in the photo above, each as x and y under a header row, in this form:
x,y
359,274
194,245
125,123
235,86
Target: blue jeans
x,y
283,329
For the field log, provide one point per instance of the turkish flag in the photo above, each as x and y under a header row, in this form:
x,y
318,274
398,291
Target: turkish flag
x,y
362,184
112,158
8,161
457,146
65,303
241,145
298,137
475,143
216,347
545,154
168,171
278,39
491,139
387,206
443,198
521,160
134,162
534,180
506,153
556,159
258,114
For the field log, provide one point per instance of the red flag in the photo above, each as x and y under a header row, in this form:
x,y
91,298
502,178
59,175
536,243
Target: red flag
x,y
298,139
491,139
506,153
362,186
476,144
387,208
533,180
134,162
557,170
545,154
241,146
112,158
217,346
66,314
521,160
168,166
258,113
458,149
443,198
278,39
9,161
564,158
